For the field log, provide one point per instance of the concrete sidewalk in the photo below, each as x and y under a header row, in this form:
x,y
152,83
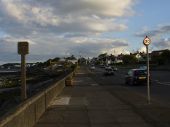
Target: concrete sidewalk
x,y
86,104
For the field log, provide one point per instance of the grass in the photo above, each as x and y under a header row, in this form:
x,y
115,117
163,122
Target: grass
x,y
8,100
9,95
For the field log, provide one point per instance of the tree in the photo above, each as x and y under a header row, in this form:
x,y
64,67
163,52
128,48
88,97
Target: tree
x,y
102,57
56,59
112,57
129,59
48,62
72,57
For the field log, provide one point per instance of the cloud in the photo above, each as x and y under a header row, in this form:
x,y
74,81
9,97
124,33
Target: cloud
x,y
66,16
60,27
46,46
102,8
159,37
26,13
163,43
155,32
94,47
142,49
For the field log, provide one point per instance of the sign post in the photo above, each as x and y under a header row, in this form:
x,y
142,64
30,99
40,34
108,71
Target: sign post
x,y
23,49
146,42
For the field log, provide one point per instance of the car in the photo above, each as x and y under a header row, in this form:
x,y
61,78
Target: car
x,y
136,76
108,71
92,67
101,66
143,67
108,67
114,68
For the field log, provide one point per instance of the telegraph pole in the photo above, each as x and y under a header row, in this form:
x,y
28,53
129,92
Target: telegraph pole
x,y
146,42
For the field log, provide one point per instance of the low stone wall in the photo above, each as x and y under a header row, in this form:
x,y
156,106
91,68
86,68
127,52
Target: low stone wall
x,y
29,112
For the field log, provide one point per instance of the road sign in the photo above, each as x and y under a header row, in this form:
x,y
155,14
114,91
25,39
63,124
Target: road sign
x,y
23,48
146,41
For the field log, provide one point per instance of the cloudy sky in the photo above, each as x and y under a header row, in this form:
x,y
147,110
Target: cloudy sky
x,y
81,27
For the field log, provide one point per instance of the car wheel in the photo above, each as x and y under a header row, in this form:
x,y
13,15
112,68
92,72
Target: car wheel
x,y
131,83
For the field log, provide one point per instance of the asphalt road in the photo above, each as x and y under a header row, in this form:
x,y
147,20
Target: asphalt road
x,y
160,86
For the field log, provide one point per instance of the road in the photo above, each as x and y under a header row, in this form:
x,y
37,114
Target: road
x,y
160,87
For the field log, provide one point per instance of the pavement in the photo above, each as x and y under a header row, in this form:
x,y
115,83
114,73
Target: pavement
x,y
87,104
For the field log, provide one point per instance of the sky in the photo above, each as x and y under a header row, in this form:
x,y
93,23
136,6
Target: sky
x,y
59,28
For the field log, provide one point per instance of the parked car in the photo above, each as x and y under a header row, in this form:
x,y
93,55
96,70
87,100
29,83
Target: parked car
x,y
108,67
108,71
101,65
92,67
143,67
114,68
136,76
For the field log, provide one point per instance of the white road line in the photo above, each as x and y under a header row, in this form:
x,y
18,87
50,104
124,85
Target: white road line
x,y
162,83
94,84
61,101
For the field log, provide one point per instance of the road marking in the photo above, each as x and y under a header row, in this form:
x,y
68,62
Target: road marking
x,y
94,84
162,83
61,101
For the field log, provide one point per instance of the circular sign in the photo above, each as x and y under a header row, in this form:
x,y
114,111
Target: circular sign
x,y
146,41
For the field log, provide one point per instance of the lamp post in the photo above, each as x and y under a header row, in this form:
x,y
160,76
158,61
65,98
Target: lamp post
x,y
146,42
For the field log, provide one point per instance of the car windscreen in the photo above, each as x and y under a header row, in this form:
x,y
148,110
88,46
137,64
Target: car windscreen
x,y
140,72
108,69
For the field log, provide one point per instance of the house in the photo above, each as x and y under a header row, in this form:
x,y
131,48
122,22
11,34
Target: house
x,y
73,61
140,56
158,52
158,58
119,59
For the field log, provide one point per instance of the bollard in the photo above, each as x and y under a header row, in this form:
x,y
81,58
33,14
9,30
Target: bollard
x,y
69,81
74,73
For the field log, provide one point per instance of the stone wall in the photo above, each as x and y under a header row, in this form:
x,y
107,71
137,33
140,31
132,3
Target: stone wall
x,y
28,113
